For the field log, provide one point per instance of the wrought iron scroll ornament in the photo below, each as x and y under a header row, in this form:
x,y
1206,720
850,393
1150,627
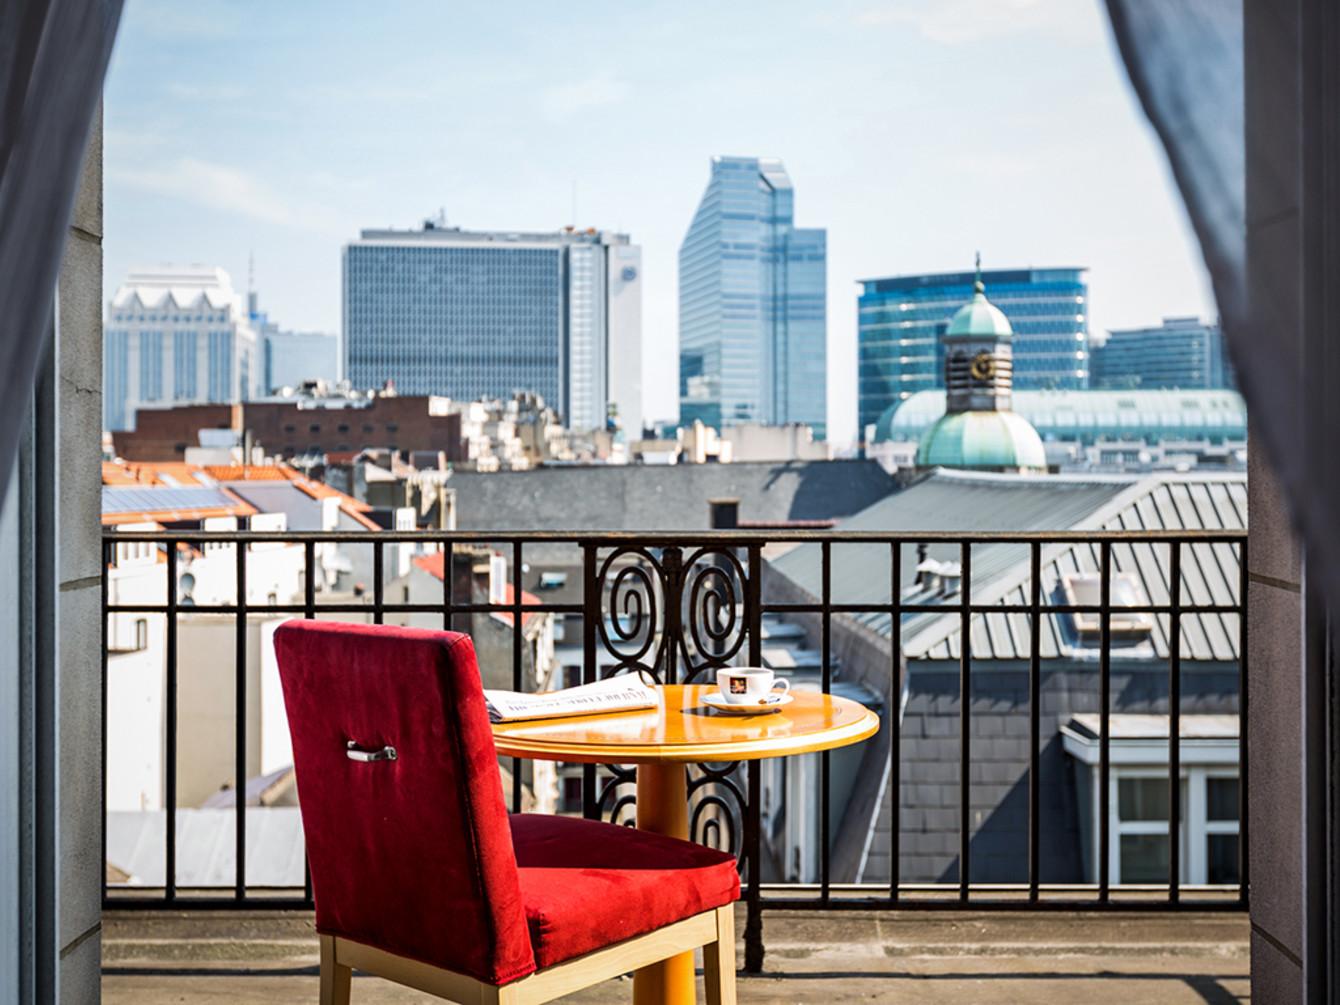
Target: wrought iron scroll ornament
x,y
674,620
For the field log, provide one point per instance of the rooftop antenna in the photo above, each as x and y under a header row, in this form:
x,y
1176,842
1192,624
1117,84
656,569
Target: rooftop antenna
x,y
978,286
251,283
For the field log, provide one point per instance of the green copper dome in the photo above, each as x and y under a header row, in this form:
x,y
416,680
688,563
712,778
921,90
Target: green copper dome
x,y
995,441
979,317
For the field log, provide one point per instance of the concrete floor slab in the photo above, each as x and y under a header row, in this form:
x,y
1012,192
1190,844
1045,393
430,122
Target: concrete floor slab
x,y
832,959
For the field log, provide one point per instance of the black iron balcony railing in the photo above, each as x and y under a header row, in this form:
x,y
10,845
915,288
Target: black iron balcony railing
x,y
678,605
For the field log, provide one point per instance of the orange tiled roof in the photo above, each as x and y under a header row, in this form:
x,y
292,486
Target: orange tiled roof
x,y
127,473
352,507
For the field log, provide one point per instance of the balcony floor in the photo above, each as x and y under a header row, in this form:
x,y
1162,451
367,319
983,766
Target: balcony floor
x,y
832,958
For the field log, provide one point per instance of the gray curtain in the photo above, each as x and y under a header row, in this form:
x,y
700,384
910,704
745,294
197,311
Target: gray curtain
x,y
53,57
1185,59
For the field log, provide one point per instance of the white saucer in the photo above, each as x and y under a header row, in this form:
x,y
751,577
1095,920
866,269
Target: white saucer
x,y
714,700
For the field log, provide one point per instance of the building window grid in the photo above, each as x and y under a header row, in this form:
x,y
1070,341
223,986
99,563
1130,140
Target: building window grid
x,y
1197,829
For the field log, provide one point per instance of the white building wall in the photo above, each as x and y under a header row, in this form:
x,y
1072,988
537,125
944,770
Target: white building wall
x,y
624,264
169,332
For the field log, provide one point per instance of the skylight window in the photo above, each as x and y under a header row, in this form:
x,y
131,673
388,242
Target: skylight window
x,y
1085,590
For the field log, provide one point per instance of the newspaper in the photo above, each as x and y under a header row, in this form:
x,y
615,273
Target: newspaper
x,y
617,694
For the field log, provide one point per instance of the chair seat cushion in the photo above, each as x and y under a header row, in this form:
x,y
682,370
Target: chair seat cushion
x,y
586,884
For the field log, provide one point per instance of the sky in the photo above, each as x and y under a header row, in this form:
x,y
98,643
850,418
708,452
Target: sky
x,y
916,131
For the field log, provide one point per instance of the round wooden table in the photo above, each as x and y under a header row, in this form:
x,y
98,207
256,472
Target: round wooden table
x,y
682,730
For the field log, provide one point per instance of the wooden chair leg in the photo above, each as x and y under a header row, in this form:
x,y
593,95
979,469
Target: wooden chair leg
x,y
719,960
335,977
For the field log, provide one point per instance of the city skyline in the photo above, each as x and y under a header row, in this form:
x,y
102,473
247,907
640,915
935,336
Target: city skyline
x,y
233,131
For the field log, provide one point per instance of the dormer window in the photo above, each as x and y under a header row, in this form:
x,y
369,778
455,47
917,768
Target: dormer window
x,y
1084,589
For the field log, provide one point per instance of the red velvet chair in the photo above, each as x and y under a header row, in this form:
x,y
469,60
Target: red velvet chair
x,y
420,875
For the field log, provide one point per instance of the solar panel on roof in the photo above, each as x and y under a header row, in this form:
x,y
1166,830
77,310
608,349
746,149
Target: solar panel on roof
x,y
150,498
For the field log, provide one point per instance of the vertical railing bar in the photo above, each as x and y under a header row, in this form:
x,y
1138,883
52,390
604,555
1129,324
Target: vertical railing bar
x,y
1034,717
825,779
379,583
1244,861
965,718
448,586
240,726
590,611
309,613
170,729
516,660
1175,726
753,927
895,793
105,551
1104,720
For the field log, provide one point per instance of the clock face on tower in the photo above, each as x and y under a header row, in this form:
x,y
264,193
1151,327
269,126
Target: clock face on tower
x,y
983,366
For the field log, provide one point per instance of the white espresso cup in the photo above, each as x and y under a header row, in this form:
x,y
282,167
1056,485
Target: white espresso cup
x,y
750,685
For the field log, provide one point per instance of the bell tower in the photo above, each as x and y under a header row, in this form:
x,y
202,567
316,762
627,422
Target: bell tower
x,y
979,360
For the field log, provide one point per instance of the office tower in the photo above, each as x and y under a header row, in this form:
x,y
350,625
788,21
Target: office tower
x,y
176,335
901,320
484,314
289,358
752,303
1183,352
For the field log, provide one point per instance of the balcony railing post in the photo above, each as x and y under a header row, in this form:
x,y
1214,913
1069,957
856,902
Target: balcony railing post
x,y
1104,720
753,850
516,660
826,683
895,716
1175,726
592,612
170,732
240,726
1034,717
1244,860
672,564
965,720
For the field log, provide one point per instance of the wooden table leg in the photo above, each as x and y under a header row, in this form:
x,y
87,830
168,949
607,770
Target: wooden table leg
x,y
663,808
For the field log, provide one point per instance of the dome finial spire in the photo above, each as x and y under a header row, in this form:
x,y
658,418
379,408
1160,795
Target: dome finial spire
x,y
978,286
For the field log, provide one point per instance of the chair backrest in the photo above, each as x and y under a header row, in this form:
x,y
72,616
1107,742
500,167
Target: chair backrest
x,y
413,854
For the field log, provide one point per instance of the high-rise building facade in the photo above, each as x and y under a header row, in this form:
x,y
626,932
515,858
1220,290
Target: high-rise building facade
x,y
176,335
1183,352
901,319
485,314
289,358
753,304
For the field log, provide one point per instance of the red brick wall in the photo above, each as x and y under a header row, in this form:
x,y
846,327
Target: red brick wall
x,y
284,429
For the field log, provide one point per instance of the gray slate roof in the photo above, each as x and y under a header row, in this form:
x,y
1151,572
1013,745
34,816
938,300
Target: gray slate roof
x,y
670,497
1000,572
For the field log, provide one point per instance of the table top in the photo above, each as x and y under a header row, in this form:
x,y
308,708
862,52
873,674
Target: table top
x,y
684,728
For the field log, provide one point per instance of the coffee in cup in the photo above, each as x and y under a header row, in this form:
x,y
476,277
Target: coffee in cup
x,y
751,685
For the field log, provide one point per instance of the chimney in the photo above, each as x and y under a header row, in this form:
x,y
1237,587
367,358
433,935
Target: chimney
x,y
725,514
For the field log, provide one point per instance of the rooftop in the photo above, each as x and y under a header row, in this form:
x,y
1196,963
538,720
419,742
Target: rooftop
x,y
670,497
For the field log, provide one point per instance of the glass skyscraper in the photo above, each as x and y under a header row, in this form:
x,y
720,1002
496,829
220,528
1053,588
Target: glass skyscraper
x,y
752,303
484,314
901,318
1185,353
176,335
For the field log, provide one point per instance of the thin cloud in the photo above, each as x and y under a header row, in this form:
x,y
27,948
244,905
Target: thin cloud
x,y
958,22
208,92
226,189
563,101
